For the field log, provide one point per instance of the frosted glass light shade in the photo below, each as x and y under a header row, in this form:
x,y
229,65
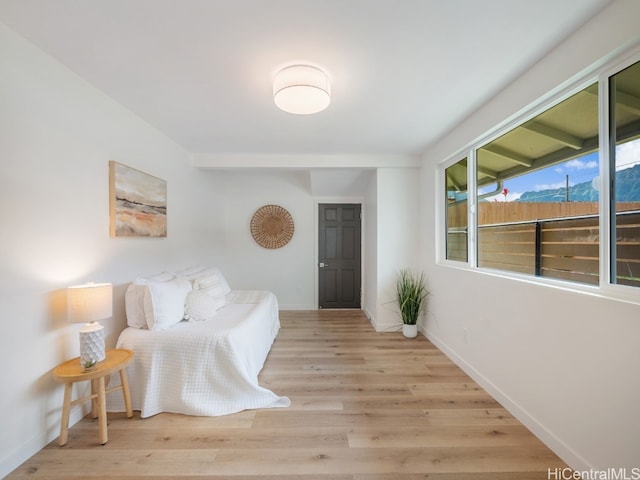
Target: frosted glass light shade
x,y
90,302
301,89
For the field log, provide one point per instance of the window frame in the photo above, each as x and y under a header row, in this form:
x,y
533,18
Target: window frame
x,y
442,206
607,175
599,74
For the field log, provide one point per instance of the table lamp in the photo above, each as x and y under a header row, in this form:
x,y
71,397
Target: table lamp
x,y
88,304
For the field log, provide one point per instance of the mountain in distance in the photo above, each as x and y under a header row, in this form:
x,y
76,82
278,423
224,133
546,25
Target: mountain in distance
x,y
627,190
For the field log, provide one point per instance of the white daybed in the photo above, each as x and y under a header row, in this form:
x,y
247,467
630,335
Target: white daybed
x,y
207,364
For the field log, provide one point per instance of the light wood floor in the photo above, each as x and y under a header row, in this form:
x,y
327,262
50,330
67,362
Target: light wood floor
x,y
365,405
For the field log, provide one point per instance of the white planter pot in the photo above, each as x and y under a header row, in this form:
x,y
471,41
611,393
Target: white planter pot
x,y
409,331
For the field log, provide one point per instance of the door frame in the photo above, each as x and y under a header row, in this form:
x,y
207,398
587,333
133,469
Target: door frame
x,y
316,247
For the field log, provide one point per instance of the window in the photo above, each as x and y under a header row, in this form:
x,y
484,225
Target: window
x,y
537,191
542,192
624,101
456,213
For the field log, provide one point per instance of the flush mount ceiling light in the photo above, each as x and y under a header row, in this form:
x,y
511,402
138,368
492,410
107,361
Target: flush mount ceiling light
x,y
301,89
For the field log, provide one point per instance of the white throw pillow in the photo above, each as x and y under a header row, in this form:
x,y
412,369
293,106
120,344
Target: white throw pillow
x,y
164,304
134,298
203,277
192,272
213,279
203,304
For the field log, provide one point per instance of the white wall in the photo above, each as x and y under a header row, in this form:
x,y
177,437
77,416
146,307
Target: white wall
x,y
370,235
331,182
566,363
397,238
57,135
289,271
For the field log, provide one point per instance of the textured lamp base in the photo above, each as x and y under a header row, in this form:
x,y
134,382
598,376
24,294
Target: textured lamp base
x,y
91,344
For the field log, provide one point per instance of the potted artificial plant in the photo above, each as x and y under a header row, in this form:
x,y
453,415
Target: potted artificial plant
x,y
411,292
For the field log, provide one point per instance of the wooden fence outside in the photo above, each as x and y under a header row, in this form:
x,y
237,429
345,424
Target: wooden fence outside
x,y
564,248
507,212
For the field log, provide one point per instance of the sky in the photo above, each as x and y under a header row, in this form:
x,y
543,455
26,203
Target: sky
x,y
579,170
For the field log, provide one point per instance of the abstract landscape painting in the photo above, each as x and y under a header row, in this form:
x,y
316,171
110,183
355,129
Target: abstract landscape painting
x,y
137,203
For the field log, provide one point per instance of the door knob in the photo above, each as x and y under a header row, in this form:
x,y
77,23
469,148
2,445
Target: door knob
x,y
322,265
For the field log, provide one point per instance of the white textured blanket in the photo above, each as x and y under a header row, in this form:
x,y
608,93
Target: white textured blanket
x,y
204,368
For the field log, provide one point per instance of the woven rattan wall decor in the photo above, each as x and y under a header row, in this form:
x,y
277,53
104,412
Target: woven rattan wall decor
x,y
272,226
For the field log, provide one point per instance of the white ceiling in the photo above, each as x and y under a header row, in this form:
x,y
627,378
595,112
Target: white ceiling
x,y
403,72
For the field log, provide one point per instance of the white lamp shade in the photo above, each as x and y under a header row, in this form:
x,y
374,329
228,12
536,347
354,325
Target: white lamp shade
x,y
89,303
301,89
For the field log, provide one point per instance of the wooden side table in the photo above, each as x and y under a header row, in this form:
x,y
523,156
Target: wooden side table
x,y
71,371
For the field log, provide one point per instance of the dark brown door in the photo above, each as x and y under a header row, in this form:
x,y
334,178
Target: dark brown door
x,y
339,256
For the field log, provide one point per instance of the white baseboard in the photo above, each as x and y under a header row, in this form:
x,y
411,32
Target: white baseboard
x,y
21,453
559,447
381,327
294,306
